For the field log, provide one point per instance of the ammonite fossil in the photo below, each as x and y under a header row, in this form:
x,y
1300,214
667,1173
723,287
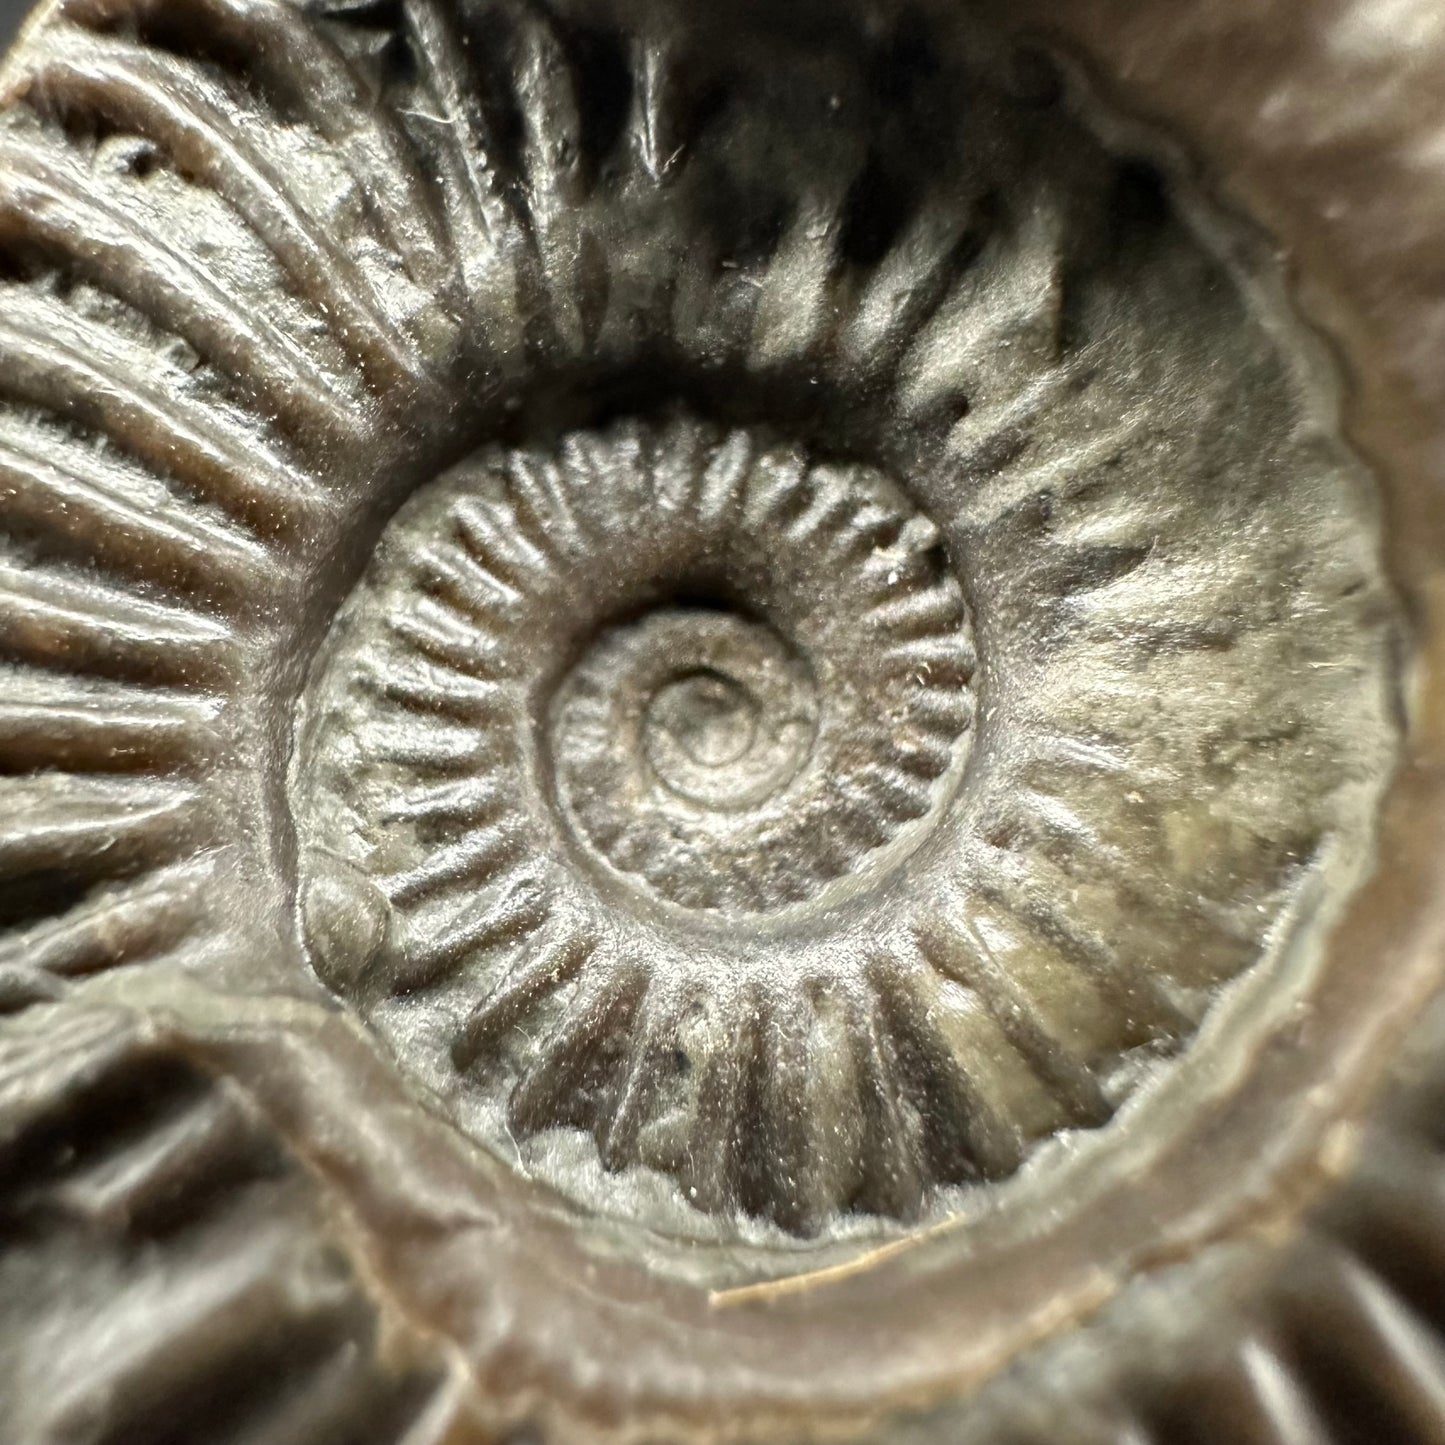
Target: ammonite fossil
x,y
719,725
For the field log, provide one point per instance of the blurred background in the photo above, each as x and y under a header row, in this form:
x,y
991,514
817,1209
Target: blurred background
x,y
12,12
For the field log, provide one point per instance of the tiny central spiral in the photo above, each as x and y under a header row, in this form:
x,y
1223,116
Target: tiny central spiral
x,y
727,714
710,717
676,735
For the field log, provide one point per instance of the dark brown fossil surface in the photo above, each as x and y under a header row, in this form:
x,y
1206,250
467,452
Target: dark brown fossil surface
x,y
721,726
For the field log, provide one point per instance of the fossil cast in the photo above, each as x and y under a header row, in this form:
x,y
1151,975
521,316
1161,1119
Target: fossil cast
x,y
724,883
672,681
897,954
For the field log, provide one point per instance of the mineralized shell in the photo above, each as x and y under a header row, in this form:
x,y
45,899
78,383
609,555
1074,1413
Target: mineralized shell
x,y
721,726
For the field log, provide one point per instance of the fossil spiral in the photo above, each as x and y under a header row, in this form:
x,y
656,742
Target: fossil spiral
x,y
695,643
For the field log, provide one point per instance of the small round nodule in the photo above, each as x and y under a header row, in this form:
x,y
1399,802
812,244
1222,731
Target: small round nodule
x,y
346,921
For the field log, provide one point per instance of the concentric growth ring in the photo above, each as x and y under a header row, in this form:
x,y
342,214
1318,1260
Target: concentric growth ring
x,y
738,755
662,666
742,764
